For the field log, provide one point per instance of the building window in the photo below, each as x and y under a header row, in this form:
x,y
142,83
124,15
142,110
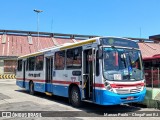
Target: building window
x,y
59,60
10,66
74,58
39,62
19,68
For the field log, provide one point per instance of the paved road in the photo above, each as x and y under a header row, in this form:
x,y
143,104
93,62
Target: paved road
x,y
13,98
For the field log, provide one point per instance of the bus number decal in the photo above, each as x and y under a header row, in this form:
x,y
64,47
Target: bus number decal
x,y
73,79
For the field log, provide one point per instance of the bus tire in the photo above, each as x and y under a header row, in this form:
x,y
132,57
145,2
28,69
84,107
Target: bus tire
x,y
31,88
75,98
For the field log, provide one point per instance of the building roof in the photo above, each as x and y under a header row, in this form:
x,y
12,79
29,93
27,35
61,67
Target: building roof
x,y
18,43
62,47
155,37
149,50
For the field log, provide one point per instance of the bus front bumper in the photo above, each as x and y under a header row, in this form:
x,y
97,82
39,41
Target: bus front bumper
x,y
105,97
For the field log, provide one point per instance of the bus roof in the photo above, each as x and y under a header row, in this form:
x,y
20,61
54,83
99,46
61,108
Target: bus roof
x,y
117,41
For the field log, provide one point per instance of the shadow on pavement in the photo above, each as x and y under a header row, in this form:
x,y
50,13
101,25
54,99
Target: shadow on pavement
x,y
88,109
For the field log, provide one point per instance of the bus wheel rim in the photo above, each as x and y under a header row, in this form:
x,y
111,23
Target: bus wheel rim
x,y
75,96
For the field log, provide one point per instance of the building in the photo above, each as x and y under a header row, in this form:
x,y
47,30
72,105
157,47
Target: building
x,y
155,37
14,43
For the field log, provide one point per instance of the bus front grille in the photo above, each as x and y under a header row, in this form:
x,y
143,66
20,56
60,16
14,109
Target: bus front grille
x,y
128,91
122,91
135,90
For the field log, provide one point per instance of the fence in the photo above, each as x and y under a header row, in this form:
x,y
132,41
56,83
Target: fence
x,y
152,76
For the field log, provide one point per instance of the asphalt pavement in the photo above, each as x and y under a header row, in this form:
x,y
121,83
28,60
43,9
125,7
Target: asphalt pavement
x,y
16,104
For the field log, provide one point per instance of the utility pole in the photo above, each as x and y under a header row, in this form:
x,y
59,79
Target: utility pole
x,y
38,11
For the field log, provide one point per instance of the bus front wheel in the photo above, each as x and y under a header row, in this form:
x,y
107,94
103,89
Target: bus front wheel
x,y
75,97
31,88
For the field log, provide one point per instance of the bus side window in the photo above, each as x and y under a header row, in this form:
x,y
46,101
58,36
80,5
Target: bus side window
x,y
74,58
31,62
97,63
59,60
19,68
39,62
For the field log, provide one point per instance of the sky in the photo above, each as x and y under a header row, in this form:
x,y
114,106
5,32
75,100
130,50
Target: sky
x,y
121,18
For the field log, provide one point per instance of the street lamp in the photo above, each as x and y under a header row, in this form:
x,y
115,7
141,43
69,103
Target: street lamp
x,y
38,11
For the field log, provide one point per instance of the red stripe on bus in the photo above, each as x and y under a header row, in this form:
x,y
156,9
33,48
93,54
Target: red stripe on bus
x,y
53,81
99,85
35,80
126,85
64,82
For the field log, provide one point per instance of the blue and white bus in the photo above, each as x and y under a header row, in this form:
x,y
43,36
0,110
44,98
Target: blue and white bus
x,y
102,70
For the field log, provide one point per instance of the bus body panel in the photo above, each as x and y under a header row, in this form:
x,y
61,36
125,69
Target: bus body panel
x,y
27,85
39,87
20,83
49,87
37,77
60,90
19,79
61,81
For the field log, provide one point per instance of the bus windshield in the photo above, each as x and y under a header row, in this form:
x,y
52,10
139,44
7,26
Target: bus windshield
x,y
122,64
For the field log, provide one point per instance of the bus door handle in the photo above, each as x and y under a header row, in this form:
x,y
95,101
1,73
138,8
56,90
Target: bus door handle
x,y
65,75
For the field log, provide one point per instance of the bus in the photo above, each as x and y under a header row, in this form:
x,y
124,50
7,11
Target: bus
x,y
101,70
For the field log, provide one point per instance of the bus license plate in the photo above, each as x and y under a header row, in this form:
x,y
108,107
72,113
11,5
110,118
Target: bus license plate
x,y
130,98
117,77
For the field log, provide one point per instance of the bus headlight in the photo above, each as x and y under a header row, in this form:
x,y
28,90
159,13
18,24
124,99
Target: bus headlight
x,y
108,87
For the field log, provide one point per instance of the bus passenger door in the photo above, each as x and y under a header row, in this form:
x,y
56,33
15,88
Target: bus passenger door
x,y
49,69
88,76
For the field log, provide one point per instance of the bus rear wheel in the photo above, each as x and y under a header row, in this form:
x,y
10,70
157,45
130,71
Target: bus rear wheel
x,y
75,98
31,88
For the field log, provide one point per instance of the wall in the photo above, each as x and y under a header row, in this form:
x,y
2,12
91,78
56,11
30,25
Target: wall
x,y
1,66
